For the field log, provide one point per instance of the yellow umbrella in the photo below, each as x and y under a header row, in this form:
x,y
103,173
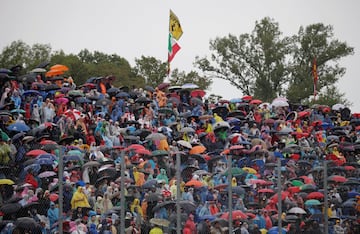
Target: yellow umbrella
x,y
250,170
6,181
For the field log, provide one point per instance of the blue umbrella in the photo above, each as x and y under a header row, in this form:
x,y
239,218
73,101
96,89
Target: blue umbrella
x,y
72,158
122,95
275,230
46,156
4,70
235,100
31,92
44,161
82,100
33,167
18,127
149,184
353,194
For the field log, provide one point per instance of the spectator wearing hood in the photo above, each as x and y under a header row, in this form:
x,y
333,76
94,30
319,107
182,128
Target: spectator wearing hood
x,y
53,214
79,199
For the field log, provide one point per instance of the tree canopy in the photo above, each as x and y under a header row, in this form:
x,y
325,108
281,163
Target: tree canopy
x,y
266,64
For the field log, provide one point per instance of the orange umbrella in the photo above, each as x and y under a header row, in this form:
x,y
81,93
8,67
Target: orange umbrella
x,y
52,73
194,183
198,149
59,67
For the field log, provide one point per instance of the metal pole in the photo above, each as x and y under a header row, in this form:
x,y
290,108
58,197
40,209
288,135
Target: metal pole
x,y
326,220
61,188
279,187
178,195
122,192
229,165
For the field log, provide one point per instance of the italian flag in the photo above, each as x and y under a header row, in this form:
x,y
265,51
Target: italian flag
x,y
173,48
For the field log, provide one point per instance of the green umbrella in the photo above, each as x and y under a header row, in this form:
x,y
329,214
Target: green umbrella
x,y
297,183
312,202
157,153
4,136
234,171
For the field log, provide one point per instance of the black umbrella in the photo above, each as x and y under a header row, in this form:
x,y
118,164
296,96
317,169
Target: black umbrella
x,y
27,78
122,94
153,197
26,223
143,100
51,87
149,184
10,208
101,179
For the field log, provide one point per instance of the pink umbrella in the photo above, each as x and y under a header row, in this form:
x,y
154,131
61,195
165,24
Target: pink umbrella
x,y
61,100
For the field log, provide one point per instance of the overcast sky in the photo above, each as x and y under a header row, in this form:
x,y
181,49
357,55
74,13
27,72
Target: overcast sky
x,y
140,27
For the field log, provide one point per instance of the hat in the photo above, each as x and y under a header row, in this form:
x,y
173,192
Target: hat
x,y
92,213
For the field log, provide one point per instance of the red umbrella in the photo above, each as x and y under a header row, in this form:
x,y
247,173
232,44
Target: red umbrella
x,y
284,194
47,142
247,98
303,114
265,190
349,168
197,93
257,181
307,180
143,151
35,152
236,215
294,189
163,86
135,147
255,102
337,178
315,195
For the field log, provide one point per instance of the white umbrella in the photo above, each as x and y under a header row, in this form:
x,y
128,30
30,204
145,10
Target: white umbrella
x,y
296,210
279,103
187,130
184,144
156,136
189,86
338,107
38,70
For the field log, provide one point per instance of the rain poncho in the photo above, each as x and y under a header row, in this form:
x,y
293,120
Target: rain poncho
x,y
79,199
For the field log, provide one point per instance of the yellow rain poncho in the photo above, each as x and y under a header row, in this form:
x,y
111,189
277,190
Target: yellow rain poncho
x,y
79,199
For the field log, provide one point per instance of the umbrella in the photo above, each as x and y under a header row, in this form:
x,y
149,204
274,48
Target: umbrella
x,y
337,178
6,182
236,215
82,100
46,174
160,222
275,230
297,183
103,102
279,103
338,107
296,210
59,67
312,202
255,102
194,183
156,136
197,93
158,153
187,130
163,86
186,205
10,208
143,100
122,95
150,184
61,100
196,101
53,197
154,197
184,144
266,190
91,164
198,149
113,91
315,195
31,92
235,171
220,125
284,194
308,187
25,223
38,70
189,86
18,127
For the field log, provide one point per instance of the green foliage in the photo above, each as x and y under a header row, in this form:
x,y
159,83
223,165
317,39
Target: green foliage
x,y
152,70
180,78
267,65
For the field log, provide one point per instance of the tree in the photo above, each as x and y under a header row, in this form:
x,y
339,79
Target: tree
x,y
316,41
180,78
254,63
151,69
266,65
